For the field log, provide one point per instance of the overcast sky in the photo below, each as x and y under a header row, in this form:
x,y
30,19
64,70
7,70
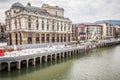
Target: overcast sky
x,y
76,10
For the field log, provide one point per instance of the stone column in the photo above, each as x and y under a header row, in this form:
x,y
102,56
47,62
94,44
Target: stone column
x,y
33,61
55,56
63,37
41,59
55,37
13,38
59,37
63,55
46,58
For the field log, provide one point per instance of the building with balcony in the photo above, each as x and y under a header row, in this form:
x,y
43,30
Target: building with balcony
x,y
93,31
31,25
87,31
108,30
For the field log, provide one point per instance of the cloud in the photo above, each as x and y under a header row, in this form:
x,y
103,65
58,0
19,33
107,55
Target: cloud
x,y
4,1
76,10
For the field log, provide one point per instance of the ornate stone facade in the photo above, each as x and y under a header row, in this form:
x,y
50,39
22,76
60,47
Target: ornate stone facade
x,y
31,25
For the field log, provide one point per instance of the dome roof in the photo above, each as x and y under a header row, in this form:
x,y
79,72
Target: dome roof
x,y
17,5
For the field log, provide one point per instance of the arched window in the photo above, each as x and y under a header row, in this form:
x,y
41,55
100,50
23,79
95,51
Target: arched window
x,y
37,38
20,38
57,37
53,37
64,37
16,38
61,37
10,35
69,37
42,38
47,38
29,38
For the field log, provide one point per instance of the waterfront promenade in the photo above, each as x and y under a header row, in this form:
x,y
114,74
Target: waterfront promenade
x,y
48,53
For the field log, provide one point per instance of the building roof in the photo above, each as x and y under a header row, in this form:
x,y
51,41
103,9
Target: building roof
x,y
17,5
113,22
85,25
36,9
51,7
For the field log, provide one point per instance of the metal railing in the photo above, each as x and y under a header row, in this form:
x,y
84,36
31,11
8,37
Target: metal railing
x,y
32,46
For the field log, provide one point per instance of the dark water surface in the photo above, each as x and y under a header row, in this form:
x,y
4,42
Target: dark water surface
x,y
100,64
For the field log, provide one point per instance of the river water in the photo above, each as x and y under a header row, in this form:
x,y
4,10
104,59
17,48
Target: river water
x,y
99,64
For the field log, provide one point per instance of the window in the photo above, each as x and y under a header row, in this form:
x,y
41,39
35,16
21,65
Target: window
x,y
42,25
29,25
64,27
20,38
53,37
37,26
64,37
16,38
29,38
57,37
61,37
56,13
47,25
29,22
42,38
14,11
68,37
53,25
57,26
47,37
37,38
10,36
61,26
29,18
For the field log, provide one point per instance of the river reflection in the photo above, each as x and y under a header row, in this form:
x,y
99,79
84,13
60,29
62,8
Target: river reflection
x,y
99,64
